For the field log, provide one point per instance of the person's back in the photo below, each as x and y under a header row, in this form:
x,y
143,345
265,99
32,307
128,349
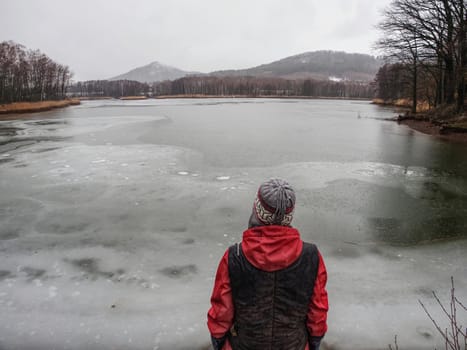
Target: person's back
x,y
270,289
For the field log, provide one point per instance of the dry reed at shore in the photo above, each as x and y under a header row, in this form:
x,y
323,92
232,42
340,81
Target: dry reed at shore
x,y
40,106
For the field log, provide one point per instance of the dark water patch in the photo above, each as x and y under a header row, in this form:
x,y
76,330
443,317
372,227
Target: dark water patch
x,y
390,230
89,265
48,122
47,149
32,273
90,269
9,131
384,226
4,274
7,233
6,160
425,332
401,215
414,231
179,271
14,144
21,142
435,192
188,241
444,227
36,139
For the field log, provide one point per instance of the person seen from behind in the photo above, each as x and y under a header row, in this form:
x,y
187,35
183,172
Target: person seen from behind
x,y
270,289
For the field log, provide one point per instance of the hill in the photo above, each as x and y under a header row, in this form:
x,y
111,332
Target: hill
x,y
318,65
153,72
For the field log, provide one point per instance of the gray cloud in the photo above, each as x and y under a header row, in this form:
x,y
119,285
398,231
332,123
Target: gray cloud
x,y
100,39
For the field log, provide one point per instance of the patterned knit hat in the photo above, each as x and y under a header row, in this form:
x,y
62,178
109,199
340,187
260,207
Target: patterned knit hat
x,y
273,205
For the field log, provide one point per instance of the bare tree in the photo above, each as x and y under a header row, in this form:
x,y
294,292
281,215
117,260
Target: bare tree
x,y
455,333
428,35
30,75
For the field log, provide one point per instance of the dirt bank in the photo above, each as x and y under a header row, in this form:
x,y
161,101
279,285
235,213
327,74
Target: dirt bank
x,y
429,128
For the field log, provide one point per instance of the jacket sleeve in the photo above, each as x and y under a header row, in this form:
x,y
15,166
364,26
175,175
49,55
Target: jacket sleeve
x,y
221,313
318,306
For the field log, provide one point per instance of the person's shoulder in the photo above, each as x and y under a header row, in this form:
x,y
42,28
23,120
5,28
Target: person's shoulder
x,y
310,248
309,244
234,248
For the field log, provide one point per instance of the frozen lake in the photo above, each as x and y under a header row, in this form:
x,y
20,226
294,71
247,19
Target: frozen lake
x,y
114,215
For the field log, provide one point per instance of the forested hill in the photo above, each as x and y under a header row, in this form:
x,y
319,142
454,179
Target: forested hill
x,y
319,65
315,65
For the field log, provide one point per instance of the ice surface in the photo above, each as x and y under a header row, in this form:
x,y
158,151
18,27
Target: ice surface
x,y
110,234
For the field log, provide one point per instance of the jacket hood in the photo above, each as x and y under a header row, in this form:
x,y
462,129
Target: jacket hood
x,y
271,248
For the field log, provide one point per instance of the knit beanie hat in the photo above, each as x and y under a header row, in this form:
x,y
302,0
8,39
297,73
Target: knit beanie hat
x,y
274,204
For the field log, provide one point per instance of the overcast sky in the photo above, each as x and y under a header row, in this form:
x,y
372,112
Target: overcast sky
x,y
99,39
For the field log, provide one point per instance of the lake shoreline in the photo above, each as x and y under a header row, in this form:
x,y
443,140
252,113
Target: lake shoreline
x,y
188,96
11,110
429,128
452,129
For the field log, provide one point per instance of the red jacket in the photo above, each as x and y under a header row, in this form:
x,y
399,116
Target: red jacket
x,y
269,248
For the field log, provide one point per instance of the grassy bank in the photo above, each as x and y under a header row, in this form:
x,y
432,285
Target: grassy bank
x,y
403,103
31,107
130,98
92,98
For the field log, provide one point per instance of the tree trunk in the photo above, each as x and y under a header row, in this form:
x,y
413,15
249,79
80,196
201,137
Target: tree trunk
x,y
462,67
414,86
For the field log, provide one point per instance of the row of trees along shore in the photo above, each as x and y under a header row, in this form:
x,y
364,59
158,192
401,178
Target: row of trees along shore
x,y
109,88
225,86
29,75
263,86
424,42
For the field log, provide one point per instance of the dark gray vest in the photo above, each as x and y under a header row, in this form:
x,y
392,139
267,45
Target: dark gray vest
x,y
271,307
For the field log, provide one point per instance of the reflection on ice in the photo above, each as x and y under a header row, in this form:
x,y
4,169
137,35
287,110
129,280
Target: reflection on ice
x,y
379,169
